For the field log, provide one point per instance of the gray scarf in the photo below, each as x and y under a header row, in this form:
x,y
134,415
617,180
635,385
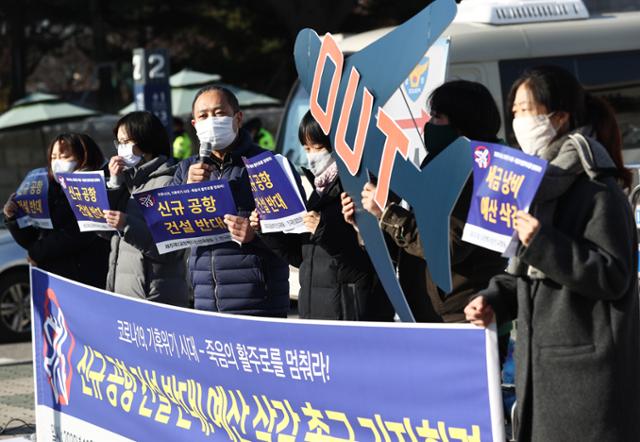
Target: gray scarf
x,y
569,157
138,175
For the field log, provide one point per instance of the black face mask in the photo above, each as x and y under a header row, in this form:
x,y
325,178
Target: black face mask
x,y
437,137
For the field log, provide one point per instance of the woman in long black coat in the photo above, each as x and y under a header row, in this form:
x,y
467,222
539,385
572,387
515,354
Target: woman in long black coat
x,y
337,279
573,284
64,250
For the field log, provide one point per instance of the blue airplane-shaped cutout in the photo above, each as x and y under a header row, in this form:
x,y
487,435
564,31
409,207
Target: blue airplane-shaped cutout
x,y
432,191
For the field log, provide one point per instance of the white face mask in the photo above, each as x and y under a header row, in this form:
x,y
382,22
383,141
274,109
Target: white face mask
x,y
218,131
63,166
319,161
534,133
126,152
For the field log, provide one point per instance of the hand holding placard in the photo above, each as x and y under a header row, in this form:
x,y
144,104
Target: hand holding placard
x,y
115,219
87,195
526,226
311,221
254,221
188,215
240,229
10,207
32,200
275,192
505,181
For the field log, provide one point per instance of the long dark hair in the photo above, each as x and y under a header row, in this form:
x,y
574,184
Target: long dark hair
x,y
558,90
146,131
470,108
82,146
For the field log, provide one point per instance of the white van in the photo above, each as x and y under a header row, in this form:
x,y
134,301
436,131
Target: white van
x,y
602,51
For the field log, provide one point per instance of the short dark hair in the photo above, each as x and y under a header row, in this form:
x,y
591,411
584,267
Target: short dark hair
x,y
310,131
470,108
228,95
82,146
146,131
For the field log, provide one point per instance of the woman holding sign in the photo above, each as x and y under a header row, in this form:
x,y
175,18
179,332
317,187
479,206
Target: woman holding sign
x,y
64,250
458,108
573,284
337,280
135,267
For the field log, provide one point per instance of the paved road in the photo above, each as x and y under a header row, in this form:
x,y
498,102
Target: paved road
x,y
16,391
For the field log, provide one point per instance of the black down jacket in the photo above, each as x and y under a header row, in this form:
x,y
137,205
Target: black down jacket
x,y
337,279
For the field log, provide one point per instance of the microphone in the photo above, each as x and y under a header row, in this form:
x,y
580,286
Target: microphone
x,y
205,153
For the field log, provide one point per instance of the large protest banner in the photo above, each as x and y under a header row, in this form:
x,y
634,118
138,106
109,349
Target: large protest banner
x,y
187,215
87,195
505,180
278,200
32,200
113,368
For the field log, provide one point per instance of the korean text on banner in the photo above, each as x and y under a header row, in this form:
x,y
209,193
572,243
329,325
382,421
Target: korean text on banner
x,y
278,200
187,215
32,200
87,195
113,368
505,180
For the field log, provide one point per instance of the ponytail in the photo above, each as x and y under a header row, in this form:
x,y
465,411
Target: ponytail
x,y
601,117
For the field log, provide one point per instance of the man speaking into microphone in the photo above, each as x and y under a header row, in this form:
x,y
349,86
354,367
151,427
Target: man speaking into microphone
x,y
241,277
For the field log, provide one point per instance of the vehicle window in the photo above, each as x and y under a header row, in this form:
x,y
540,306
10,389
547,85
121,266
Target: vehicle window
x,y
288,143
614,76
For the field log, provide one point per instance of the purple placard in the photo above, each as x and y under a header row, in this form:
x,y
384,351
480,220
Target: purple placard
x,y
278,201
87,195
32,201
505,180
187,215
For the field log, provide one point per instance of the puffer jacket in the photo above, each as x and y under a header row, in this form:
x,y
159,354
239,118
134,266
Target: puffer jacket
x,y
64,250
135,267
337,279
241,279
